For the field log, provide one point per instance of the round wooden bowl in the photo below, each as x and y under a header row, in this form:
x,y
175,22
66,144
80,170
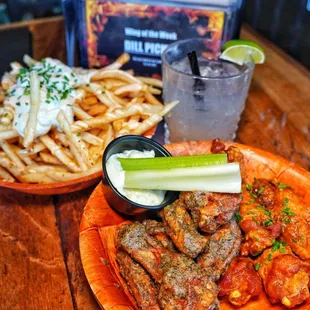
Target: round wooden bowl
x,y
61,187
99,224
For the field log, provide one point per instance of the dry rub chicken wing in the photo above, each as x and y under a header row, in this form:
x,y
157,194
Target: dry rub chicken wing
x,y
222,247
139,282
186,288
240,282
182,230
210,210
285,276
158,231
148,251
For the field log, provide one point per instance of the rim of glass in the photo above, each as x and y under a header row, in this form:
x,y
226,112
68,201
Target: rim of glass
x,y
250,64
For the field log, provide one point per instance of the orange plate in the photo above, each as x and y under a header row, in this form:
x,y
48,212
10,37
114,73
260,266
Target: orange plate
x,y
61,187
99,223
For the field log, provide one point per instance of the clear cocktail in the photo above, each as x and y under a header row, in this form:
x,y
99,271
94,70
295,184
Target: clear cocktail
x,y
210,106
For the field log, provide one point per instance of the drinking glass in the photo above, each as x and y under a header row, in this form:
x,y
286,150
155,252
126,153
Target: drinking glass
x,y
211,104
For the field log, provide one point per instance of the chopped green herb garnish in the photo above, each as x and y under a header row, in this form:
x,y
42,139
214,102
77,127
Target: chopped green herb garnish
x,y
267,212
238,216
288,211
255,237
261,190
286,220
27,92
268,223
249,187
282,186
48,101
269,257
254,195
278,245
285,202
257,265
260,207
18,103
251,212
294,240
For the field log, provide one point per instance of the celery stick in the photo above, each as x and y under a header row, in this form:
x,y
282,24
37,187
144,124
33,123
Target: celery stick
x,y
224,183
163,163
183,172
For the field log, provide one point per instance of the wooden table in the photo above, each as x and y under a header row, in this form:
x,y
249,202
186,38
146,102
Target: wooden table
x,y
40,264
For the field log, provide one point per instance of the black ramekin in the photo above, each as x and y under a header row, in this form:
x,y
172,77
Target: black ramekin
x,y
114,198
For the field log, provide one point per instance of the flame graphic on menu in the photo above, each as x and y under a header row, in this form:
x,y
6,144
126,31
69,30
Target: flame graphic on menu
x,y
99,12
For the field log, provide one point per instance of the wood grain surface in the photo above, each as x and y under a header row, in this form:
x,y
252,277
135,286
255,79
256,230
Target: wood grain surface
x,y
40,266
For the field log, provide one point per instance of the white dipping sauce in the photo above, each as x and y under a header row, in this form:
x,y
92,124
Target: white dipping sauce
x,y
116,174
57,92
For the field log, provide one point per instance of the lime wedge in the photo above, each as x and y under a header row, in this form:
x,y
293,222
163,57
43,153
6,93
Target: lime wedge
x,y
237,51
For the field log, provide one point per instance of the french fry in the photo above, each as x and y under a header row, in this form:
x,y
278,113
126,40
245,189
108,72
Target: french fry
x,y
7,116
118,74
130,71
29,61
110,84
67,176
49,159
36,178
9,166
168,107
80,113
147,124
117,125
150,81
115,99
122,132
36,148
91,100
91,139
30,130
109,137
44,168
151,99
133,122
135,87
7,148
5,176
119,62
58,152
151,109
24,157
107,118
5,127
154,91
137,100
62,138
96,89
80,160
97,109
74,139
7,81
96,151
